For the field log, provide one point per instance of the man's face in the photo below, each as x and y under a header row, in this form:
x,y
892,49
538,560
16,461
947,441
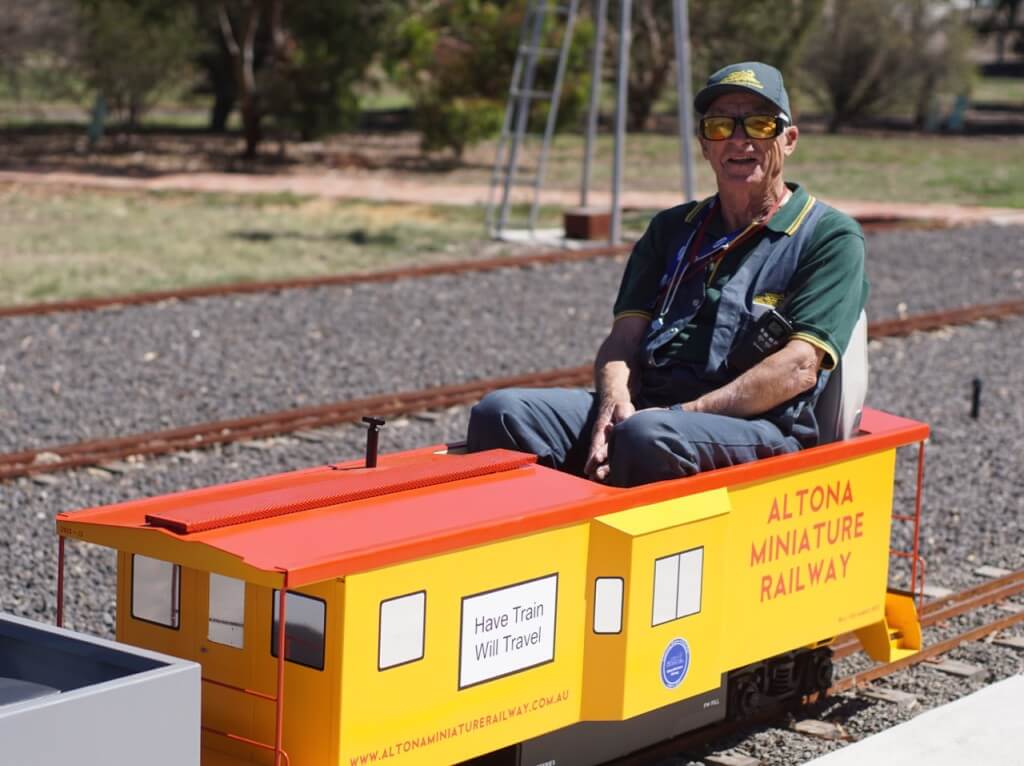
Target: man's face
x,y
739,160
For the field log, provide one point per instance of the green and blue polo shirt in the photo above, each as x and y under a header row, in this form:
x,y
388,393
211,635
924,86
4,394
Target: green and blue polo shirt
x,y
825,295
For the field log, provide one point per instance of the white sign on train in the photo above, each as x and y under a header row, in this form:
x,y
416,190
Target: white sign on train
x,y
508,630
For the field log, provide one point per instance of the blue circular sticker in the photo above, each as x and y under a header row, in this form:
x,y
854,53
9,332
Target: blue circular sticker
x,y
675,662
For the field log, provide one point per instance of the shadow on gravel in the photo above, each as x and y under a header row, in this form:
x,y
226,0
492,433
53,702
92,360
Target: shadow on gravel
x,y
836,709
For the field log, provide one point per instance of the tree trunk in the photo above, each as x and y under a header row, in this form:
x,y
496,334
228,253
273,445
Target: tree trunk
x,y
223,104
652,63
219,70
241,50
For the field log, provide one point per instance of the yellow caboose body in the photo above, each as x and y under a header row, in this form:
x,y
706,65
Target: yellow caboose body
x,y
444,606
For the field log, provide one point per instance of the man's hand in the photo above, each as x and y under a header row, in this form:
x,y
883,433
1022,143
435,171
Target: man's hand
x,y
613,379
609,416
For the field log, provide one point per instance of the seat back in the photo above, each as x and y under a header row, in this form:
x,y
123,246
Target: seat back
x,y
840,405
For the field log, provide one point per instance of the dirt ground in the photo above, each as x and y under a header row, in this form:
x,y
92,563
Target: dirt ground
x,y
387,165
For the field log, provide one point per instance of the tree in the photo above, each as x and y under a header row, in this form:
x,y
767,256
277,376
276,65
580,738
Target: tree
x,y
297,63
652,58
721,32
127,51
331,46
727,31
238,32
44,29
457,57
1003,20
131,49
871,55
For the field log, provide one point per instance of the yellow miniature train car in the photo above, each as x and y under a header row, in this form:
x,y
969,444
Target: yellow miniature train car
x,y
441,607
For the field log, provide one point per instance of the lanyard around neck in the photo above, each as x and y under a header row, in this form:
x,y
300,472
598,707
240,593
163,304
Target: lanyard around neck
x,y
690,258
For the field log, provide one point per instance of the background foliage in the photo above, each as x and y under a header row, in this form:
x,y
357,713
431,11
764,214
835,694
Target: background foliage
x,y
456,59
299,68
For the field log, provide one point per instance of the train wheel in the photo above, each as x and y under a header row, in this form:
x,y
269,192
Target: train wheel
x,y
818,674
744,697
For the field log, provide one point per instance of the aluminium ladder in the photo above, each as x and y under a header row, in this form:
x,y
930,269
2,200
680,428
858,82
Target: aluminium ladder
x,y
521,96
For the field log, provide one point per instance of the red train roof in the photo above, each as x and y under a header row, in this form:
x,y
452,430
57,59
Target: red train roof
x,y
335,520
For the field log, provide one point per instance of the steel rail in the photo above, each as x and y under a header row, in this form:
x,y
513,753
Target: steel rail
x,y
953,605
468,266
97,451
926,653
691,740
333,280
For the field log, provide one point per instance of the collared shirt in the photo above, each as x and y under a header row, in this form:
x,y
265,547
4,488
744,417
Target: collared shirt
x,y
824,298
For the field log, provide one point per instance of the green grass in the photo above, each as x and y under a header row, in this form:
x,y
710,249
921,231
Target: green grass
x,y
56,246
999,90
384,96
964,170
901,167
74,243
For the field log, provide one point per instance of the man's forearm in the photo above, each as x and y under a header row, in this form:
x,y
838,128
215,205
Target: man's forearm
x,y
615,364
776,379
612,372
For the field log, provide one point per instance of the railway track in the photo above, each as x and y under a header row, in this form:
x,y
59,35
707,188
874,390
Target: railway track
x,y
868,224
98,451
932,614
352,278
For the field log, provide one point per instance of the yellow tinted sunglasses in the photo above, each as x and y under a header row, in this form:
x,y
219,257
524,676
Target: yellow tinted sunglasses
x,y
754,125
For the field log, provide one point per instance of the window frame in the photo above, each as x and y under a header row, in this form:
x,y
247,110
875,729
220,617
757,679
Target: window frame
x,y
175,591
380,630
209,610
622,606
700,586
275,601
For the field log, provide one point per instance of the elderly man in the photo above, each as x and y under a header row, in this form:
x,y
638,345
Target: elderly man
x,y
730,315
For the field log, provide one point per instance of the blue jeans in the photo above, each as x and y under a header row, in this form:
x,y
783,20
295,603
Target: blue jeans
x,y
556,424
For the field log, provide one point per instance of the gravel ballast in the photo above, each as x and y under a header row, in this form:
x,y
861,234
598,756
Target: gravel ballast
x,y
974,496
974,485
75,376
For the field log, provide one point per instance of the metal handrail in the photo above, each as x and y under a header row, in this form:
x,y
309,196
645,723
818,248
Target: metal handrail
x,y
247,741
239,737
250,692
917,562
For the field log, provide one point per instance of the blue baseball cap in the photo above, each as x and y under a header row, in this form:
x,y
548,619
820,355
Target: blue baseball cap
x,y
745,77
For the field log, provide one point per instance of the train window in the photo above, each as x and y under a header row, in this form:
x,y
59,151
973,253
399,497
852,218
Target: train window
x,y
677,585
608,604
306,619
402,623
156,591
227,611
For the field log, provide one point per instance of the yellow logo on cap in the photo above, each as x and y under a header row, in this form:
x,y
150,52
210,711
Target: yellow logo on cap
x,y
742,77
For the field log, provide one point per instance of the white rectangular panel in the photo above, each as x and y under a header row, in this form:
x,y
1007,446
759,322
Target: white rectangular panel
x,y
507,630
156,590
401,630
691,568
608,605
666,581
227,611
